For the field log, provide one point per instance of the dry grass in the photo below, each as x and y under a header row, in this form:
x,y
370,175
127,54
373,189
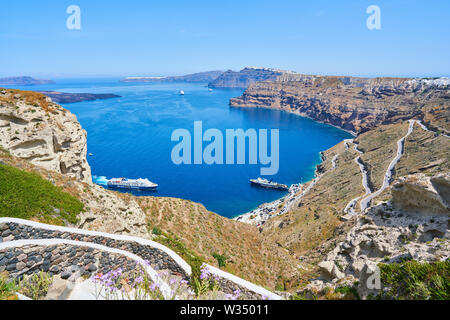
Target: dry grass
x,y
248,254
380,147
29,97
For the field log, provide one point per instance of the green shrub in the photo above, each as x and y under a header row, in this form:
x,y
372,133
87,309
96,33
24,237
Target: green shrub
x,y
7,288
191,258
221,259
35,286
156,231
348,291
412,280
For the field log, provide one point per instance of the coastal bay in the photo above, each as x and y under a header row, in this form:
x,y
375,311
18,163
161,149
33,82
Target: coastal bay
x,y
130,137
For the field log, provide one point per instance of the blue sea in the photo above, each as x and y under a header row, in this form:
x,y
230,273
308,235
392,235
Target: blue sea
x,y
131,137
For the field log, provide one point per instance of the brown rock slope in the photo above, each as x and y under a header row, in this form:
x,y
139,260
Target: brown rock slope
x,y
355,104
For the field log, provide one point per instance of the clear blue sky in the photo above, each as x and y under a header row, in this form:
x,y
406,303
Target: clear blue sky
x,y
164,37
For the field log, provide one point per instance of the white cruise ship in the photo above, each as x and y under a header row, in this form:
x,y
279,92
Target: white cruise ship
x,y
124,183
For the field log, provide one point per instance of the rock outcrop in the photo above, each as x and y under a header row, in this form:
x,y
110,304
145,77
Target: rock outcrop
x,y
422,194
34,128
354,104
391,232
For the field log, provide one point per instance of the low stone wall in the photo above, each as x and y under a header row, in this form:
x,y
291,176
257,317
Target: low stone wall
x,y
27,247
68,261
159,260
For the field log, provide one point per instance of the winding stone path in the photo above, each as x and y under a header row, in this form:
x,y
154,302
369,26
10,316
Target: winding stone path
x,y
350,208
424,127
27,246
365,202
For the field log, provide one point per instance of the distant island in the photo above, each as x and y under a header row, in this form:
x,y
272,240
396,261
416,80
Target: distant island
x,y
64,97
247,76
218,79
199,77
23,81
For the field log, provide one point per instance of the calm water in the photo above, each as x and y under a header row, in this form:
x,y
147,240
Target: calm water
x,y
130,137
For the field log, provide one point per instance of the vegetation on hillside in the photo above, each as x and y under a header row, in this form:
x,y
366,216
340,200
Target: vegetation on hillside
x,y
235,247
412,280
7,288
27,195
30,97
180,248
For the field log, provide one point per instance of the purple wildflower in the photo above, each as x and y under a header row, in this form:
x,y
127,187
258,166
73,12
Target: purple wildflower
x,y
154,286
139,280
205,272
229,296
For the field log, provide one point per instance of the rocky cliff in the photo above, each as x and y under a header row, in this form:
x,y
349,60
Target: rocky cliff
x,y
354,104
242,79
34,128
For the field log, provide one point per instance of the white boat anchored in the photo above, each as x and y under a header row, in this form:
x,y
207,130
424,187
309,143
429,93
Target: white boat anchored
x,y
137,184
264,183
181,92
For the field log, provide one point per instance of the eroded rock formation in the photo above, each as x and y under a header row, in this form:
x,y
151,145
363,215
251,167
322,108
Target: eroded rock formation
x,y
34,128
391,232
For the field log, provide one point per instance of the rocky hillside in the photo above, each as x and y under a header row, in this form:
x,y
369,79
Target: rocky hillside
x,y
413,225
34,128
242,79
378,200
359,181
354,104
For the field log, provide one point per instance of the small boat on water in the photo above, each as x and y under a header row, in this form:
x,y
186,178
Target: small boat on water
x,y
264,183
137,184
181,92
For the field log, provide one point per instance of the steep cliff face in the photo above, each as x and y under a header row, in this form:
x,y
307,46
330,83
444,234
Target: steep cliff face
x,y
34,128
245,77
355,104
